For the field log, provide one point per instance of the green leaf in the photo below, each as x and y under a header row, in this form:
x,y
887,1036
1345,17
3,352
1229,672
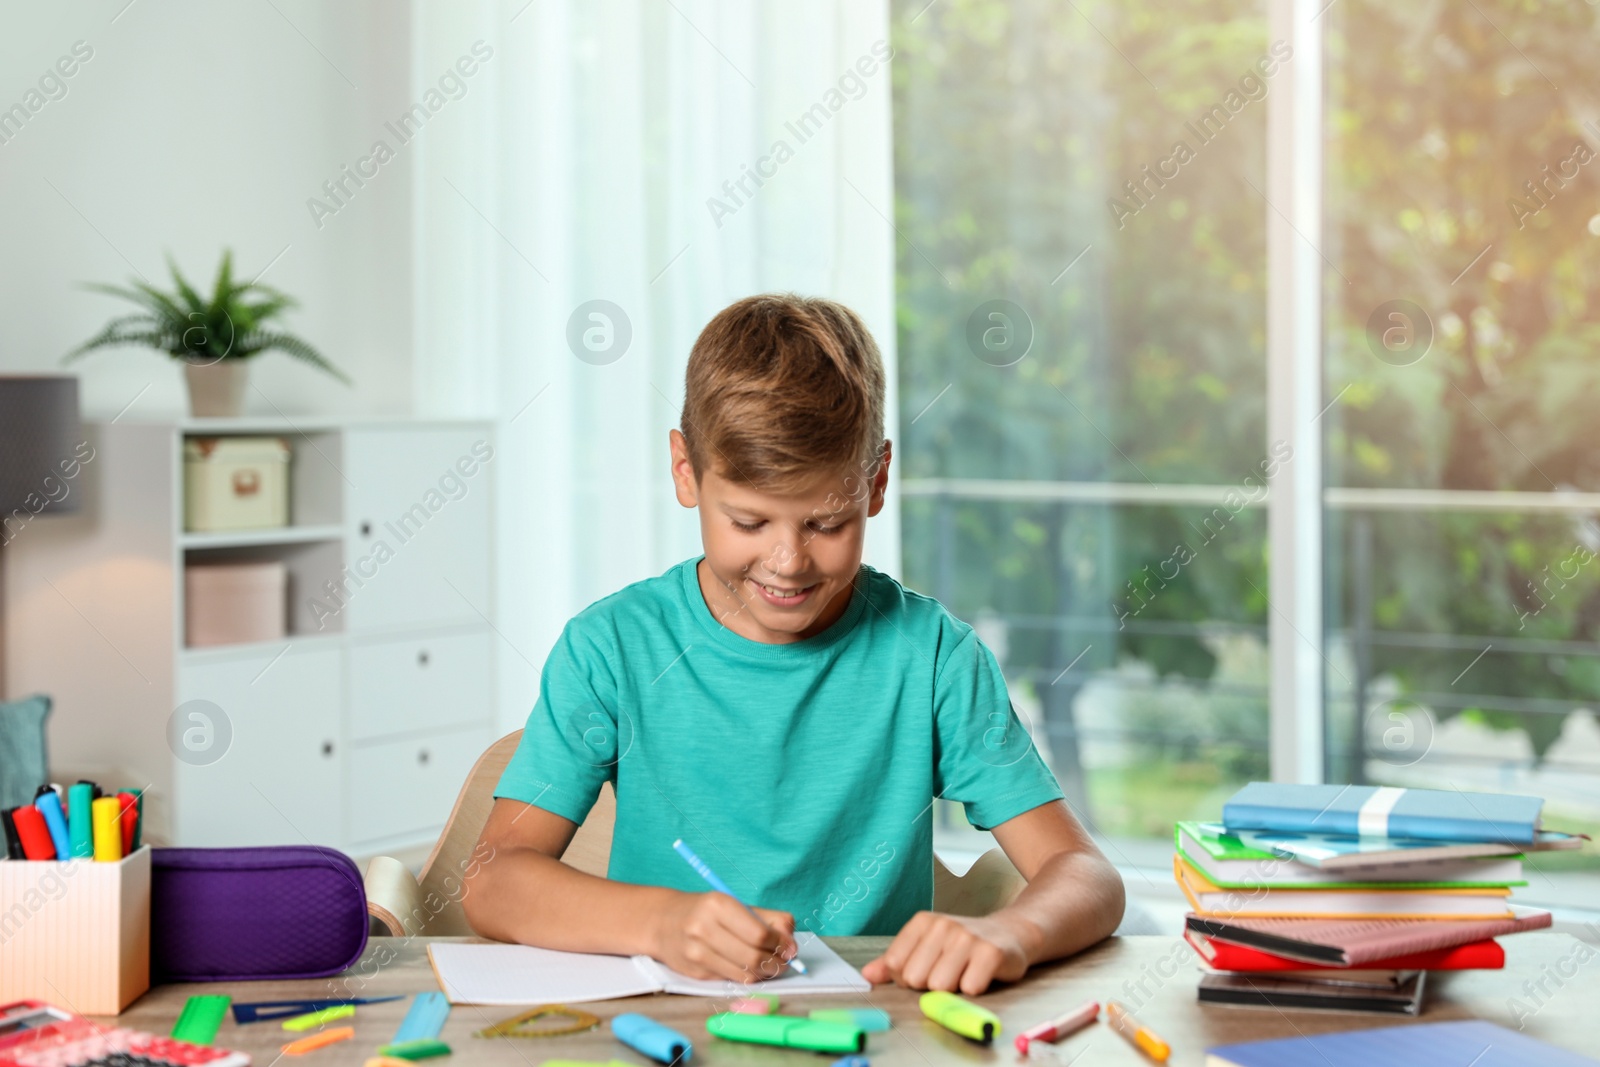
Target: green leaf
x,y
224,290
119,333
261,341
190,297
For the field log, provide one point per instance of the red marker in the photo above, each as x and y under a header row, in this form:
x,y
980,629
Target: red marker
x,y
33,833
1056,1029
130,818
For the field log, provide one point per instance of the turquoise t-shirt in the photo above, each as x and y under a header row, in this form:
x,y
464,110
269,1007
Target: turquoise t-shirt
x,y
803,773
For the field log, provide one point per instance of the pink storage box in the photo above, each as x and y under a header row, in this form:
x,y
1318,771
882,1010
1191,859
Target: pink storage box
x,y
76,933
235,603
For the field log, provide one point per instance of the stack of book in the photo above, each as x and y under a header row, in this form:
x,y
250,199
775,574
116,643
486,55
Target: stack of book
x,y
1344,897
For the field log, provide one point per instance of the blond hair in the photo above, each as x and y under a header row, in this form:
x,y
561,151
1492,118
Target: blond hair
x,y
781,390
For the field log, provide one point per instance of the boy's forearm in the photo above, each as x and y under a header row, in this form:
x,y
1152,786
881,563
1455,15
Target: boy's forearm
x,y
525,896
1074,901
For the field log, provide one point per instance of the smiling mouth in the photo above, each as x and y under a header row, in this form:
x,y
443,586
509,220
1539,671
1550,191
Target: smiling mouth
x,y
783,595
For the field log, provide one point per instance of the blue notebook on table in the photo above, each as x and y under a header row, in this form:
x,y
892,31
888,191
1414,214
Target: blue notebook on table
x,y
1460,1044
1384,811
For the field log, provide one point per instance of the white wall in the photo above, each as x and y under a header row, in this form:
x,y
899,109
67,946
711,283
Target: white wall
x,y
192,127
576,163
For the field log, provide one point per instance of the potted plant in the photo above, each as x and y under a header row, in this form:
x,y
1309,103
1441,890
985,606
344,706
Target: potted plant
x,y
214,338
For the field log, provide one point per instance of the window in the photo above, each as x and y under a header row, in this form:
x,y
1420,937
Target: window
x,y
1082,286
1463,314
1084,211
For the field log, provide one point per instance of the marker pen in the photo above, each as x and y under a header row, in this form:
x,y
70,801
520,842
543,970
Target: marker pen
x,y
49,805
107,830
787,1031
872,1020
649,1038
960,1016
13,842
33,833
80,798
128,815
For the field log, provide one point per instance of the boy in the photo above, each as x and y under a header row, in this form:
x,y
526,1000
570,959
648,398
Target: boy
x,y
788,712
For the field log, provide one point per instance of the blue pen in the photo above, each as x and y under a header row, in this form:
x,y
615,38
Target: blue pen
x,y
720,886
649,1038
49,806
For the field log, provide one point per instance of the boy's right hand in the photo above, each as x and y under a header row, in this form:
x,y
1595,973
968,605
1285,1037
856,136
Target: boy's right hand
x,y
711,935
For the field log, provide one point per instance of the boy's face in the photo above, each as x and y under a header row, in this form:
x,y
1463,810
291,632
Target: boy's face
x,y
779,568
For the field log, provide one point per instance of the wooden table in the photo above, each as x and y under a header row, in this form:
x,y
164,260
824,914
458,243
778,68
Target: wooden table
x,y
1154,975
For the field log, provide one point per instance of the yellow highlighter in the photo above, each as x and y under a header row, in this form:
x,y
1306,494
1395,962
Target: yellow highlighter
x,y
1140,1037
319,1018
960,1016
106,816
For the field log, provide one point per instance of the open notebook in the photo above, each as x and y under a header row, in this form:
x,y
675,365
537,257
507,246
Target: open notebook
x,y
521,974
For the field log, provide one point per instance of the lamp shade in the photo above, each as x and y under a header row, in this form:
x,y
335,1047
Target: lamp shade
x,y
39,436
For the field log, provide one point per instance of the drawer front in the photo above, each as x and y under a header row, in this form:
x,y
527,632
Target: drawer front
x,y
421,683
401,792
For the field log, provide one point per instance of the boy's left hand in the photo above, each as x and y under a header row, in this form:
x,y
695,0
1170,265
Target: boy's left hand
x,y
952,953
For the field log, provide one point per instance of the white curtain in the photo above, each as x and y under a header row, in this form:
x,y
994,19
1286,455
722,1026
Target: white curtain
x,y
597,155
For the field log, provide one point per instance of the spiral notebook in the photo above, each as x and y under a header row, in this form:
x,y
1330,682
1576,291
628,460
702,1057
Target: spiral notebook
x,y
522,974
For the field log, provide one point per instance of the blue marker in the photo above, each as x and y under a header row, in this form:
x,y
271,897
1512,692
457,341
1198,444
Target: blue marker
x,y
720,886
649,1038
55,821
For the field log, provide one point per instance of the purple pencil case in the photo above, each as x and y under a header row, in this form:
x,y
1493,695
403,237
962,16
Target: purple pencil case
x,y
237,914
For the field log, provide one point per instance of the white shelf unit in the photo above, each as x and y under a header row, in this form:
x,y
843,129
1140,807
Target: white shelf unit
x,y
287,535
359,727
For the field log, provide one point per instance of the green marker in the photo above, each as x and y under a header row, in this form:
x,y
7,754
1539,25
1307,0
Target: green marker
x,y
960,1016
787,1031
79,827
420,1049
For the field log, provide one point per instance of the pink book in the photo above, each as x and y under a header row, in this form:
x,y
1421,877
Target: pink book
x,y
1354,942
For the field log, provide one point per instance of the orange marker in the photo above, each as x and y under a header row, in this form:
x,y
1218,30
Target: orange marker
x,y
316,1041
1145,1040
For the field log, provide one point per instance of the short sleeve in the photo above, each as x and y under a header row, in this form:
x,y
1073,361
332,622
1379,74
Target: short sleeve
x,y
986,760
570,744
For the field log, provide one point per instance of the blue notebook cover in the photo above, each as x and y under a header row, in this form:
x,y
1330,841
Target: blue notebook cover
x,y
1369,810
1458,1044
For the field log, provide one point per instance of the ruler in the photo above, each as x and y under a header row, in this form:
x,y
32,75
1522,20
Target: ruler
x,y
425,1018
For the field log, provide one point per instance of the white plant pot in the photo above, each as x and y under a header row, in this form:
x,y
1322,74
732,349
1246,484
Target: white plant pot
x,y
217,389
